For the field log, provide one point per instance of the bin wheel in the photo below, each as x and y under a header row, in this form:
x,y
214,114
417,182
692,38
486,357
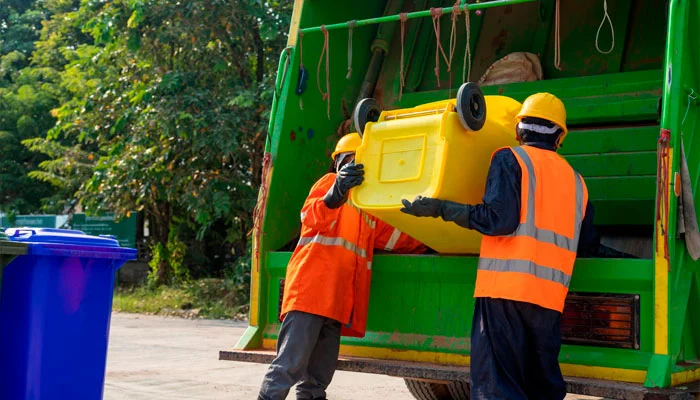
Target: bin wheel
x,y
423,390
471,106
367,110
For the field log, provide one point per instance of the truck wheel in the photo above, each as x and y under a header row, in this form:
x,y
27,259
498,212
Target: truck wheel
x,y
423,390
471,106
367,110
459,390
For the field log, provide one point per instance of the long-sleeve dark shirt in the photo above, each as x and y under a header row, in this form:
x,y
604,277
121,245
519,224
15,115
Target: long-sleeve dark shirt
x,y
499,215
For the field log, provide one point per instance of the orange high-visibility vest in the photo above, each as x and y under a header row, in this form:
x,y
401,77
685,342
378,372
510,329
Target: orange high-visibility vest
x,y
534,264
331,268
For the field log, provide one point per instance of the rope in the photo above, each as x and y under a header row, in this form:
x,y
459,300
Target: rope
x,y
663,188
351,26
691,99
612,30
453,33
453,43
557,37
326,50
402,81
436,13
259,210
468,53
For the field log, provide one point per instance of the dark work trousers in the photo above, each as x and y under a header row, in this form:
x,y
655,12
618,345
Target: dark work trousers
x,y
514,351
307,352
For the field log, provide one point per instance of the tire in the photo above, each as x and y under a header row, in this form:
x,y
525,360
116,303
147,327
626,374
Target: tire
x,y
459,390
471,106
367,110
423,390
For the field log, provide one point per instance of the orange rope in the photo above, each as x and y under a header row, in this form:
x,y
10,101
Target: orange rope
x,y
326,50
402,82
259,210
453,43
557,37
453,33
351,27
466,68
436,14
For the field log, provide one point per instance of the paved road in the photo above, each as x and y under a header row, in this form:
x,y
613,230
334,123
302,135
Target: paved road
x,y
156,358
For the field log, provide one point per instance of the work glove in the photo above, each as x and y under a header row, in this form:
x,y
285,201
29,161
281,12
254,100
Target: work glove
x,y
422,207
447,210
349,176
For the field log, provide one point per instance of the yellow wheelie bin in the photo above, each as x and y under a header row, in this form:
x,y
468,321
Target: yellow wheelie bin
x,y
441,150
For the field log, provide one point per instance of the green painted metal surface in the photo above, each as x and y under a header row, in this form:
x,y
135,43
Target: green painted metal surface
x,y
424,303
124,229
680,116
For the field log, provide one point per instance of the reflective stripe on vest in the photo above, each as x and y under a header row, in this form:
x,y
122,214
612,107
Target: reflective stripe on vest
x,y
369,220
333,241
527,267
529,229
395,236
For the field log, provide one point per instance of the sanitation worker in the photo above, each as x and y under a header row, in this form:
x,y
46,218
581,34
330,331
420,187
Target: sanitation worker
x,y
326,291
535,216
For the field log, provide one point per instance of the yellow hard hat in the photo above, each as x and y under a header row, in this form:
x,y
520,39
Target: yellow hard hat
x,y
347,144
546,106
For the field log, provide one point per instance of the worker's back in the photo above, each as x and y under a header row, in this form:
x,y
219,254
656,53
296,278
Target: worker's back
x,y
535,263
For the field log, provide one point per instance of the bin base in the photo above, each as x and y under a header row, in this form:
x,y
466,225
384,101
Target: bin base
x,y
434,372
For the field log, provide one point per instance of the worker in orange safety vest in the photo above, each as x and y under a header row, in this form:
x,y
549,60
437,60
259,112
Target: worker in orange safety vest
x,y
328,279
535,218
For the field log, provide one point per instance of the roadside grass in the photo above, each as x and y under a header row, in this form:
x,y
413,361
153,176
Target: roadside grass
x,y
205,298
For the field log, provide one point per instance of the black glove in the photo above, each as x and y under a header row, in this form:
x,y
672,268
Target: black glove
x,y
456,212
422,207
448,210
349,176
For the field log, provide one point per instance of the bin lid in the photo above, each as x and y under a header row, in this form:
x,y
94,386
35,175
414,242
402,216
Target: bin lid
x,y
60,236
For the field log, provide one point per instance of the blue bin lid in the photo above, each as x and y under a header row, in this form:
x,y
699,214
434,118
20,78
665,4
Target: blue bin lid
x,y
60,236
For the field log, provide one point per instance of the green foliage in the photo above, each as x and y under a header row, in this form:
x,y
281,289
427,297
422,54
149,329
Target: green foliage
x,y
24,108
239,271
207,298
158,264
30,88
158,106
177,251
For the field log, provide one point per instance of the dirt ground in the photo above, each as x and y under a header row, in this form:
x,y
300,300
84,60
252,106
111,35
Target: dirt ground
x,y
154,358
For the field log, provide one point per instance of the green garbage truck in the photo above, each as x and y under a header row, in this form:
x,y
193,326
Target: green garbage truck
x,y
627,71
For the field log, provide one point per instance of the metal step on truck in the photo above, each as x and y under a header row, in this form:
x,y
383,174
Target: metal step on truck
x,y
628,72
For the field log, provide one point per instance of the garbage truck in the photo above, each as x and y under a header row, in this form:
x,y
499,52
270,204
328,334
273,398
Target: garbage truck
x,y
626,71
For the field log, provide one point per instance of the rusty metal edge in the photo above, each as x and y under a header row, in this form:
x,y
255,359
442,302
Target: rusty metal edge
x,y
434,372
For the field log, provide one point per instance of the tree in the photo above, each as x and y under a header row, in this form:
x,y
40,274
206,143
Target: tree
x,y
171,101
25,104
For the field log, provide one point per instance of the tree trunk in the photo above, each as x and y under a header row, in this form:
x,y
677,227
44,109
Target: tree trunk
x,y
260,50
160,228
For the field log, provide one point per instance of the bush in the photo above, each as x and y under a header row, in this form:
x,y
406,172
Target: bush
x,y
205,298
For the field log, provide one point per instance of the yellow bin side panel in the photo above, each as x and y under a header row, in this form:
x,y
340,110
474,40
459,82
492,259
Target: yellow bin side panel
x,y
432,155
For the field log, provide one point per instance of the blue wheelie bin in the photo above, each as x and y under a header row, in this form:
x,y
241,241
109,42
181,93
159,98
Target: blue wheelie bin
x,y
8,252
56,304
